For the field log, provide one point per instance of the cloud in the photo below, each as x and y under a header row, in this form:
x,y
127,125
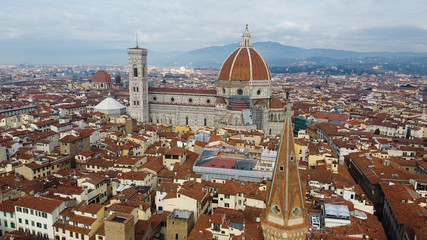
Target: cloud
x,y
170,25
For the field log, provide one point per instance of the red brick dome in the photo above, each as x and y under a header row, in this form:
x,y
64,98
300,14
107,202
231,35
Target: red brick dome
x,y
245,63
101,77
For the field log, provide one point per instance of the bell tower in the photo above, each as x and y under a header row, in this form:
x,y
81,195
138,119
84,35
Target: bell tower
x,y
285,215
138,84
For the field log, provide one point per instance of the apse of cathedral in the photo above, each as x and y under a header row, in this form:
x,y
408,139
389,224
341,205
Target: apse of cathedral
x,y
242,99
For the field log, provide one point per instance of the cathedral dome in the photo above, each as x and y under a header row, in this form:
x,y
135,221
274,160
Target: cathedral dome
x,y
101,77
245,63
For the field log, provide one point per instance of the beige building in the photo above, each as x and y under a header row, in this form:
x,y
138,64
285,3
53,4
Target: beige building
x,y
39,169
241,100
74,144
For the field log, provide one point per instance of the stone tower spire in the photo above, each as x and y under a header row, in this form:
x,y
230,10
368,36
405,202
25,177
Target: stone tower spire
x,y
246,38
285,215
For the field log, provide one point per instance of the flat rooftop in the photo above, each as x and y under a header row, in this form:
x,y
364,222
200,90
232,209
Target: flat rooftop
x,y
180,214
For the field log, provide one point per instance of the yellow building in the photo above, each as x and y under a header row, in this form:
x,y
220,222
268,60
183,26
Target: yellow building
x,y
81,223
182,129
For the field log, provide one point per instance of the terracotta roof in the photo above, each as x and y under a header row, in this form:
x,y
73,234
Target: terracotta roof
x,y
101,77
92,208
7,206
39,203
276,103
244,64
175,151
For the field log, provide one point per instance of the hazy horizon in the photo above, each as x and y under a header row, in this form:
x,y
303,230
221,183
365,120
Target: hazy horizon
x,y
42,31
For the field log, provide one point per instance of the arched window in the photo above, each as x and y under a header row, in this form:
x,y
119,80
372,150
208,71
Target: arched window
x,y
205,122
186,120
143,71
137,89
135,72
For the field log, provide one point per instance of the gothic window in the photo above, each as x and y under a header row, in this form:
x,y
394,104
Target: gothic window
x,y
135,72
296,211
276,209
134,89
137,89
205,122
186,120
281,167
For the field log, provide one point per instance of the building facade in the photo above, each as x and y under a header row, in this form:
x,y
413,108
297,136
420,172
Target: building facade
x,y
241,100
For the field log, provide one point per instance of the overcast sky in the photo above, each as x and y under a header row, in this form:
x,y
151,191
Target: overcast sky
x,y
47,27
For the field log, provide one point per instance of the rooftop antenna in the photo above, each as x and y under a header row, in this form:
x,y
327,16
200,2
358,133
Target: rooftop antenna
x,y
136,39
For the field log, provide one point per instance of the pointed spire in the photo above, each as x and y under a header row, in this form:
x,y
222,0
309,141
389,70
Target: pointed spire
x,y
285,203
246,38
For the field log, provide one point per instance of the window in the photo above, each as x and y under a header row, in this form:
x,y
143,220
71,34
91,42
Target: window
x,y
32,211
26,221
11,215
258,92
25,210
12,225
226,205
32,223
5,223
205,122
4,214
19,209
227,196
20,220
240,91
45,226
71,234
135,72
176,236
190,100
186,120
39,225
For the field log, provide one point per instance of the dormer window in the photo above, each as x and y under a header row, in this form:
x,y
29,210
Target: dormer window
x,y
281,167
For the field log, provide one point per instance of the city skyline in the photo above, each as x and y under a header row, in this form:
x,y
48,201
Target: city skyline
x,y
70,30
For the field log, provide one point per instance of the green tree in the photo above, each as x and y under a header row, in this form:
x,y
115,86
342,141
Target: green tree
x,y
117,79
377,131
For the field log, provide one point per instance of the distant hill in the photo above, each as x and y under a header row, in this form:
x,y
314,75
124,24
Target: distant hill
x,y
275,54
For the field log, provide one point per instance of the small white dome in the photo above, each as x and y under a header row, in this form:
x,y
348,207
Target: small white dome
x,y
109,104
